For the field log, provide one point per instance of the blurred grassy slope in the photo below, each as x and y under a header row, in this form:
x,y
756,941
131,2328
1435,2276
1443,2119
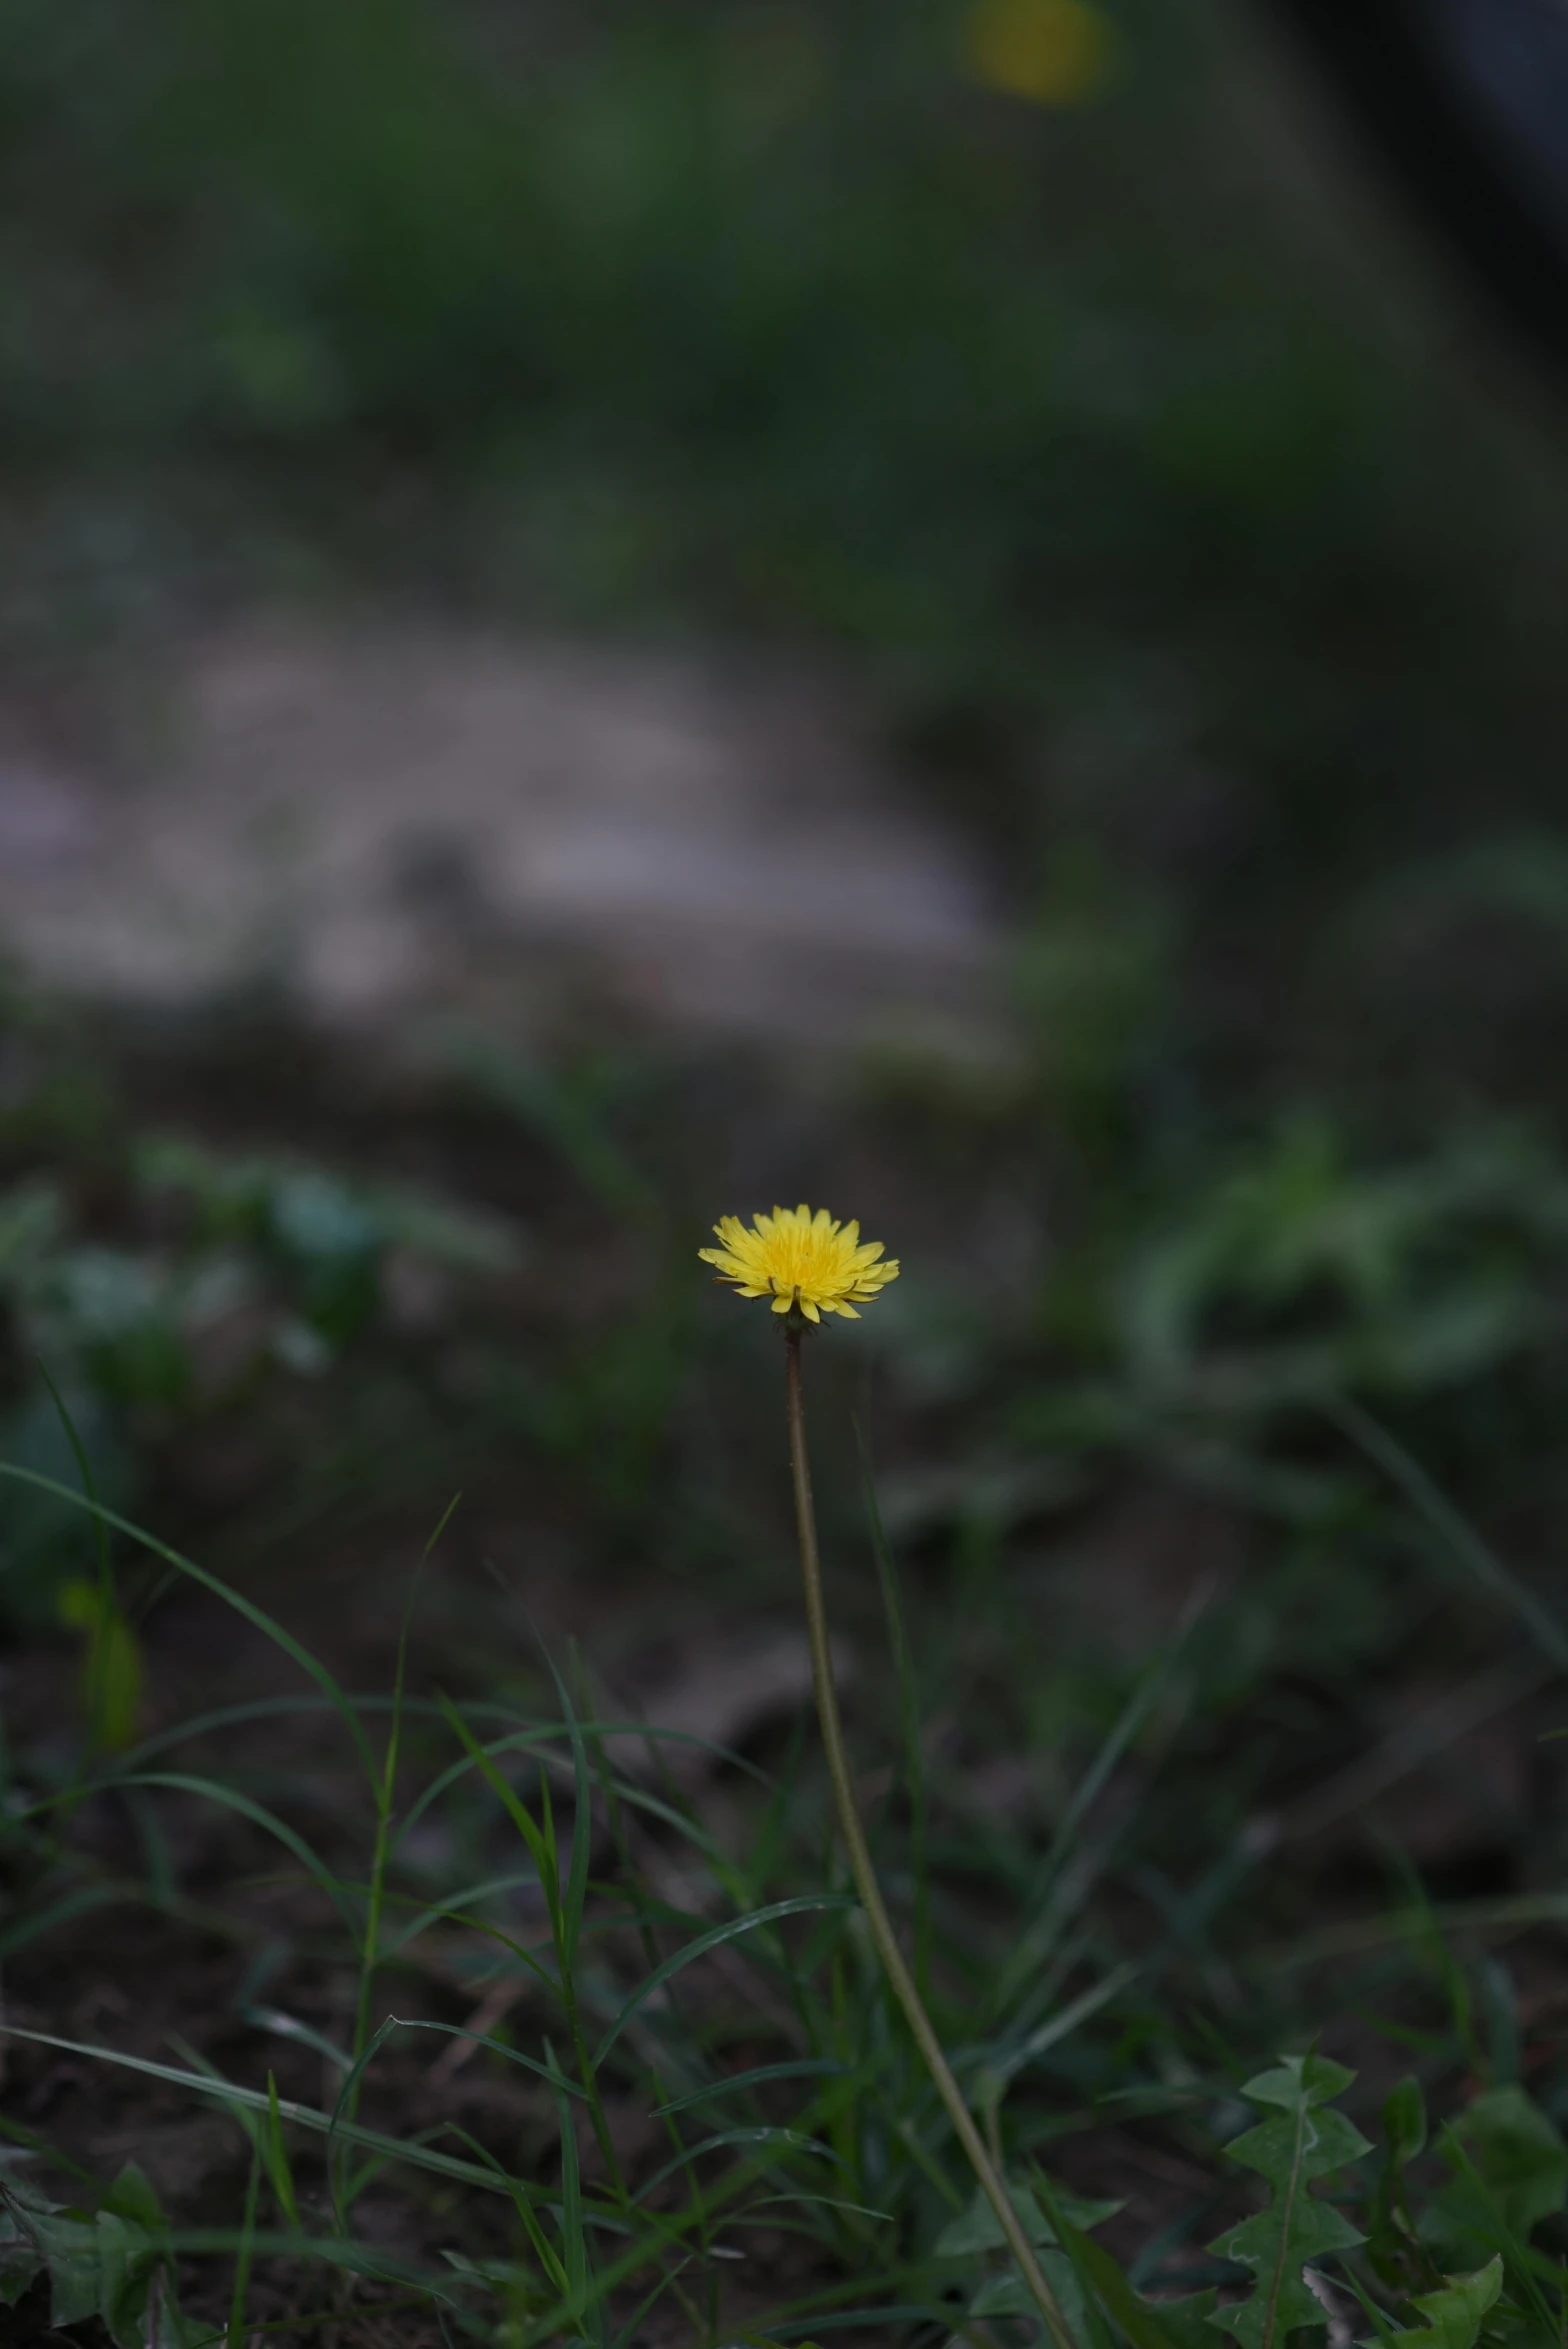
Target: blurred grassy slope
x,y
766,319
800,315
1222,598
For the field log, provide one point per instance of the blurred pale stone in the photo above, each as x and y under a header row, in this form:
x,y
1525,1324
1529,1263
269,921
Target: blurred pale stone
x,y
380,823
47,820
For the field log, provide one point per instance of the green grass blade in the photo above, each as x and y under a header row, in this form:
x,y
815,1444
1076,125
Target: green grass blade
x,y
303,2116
280,2173
61,1912
908,1710
787,2140
451,1909
1007,2059
241,2294
521,1741
1429,1500
574,2241
806,2067
513,2055
801,1906
254,1615
538,1843
576,1894
279,2025
229,1798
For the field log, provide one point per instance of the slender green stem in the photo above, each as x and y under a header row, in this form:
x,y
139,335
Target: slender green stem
x,y
386,1795
384,1787
590,2080
900,1980
241,2294
909,1709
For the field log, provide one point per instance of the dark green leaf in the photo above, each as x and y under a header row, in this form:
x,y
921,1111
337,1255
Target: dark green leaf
x,y
132,2197
979,2228
1392,2245
1517,2172
1173,2324
1454,2314
1303,2141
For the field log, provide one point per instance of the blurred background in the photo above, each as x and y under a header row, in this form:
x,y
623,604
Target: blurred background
x,y
613,613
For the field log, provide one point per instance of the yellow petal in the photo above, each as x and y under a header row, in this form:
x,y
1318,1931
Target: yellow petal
x,y
799,1255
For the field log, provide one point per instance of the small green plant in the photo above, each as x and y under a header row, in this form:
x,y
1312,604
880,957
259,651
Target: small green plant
x,y
832,2129
1302,2142
709,2033
113,2261
252,1270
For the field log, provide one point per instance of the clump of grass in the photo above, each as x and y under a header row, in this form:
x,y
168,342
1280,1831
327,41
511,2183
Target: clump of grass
x,y
637,1975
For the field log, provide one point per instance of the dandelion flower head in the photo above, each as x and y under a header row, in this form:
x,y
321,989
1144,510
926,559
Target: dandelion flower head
x,y
800,1259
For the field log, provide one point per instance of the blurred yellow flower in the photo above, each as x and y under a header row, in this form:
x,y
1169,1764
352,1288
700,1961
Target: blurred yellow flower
x,y
800,1259
111,1681
1049,52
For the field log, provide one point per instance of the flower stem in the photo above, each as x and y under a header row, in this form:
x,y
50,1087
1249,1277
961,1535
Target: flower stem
x,y
900,1980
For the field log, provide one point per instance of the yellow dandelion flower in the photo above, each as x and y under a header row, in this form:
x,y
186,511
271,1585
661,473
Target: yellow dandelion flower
x,y
800,1260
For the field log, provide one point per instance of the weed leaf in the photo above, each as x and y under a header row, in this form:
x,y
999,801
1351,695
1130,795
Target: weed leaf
x,y
1186,2321
1005,2293
112,2265
1454,2314
1510,2171
1171,2324
1301,2141
979,2228
1391,2234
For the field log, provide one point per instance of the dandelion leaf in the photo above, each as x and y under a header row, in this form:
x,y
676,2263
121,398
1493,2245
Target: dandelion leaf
x,y
112,2265
1147,2324
1404,2122
1510,2171
20,2259
1392,2244
1520,2156
979,2229
1454,2314
1006,2294
1186,2321
132,2197
1301,2141
69,2249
